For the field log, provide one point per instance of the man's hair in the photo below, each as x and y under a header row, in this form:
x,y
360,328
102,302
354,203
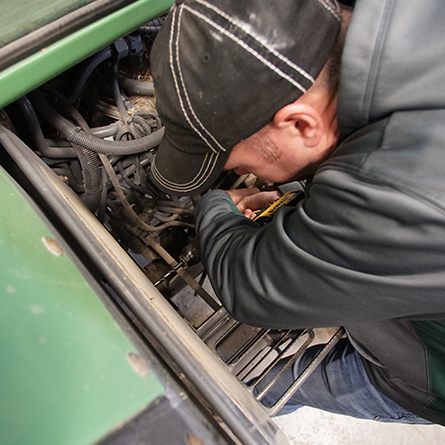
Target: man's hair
x,y
330,75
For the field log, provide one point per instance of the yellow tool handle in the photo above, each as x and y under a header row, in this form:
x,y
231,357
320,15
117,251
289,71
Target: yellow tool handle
x,y
280,202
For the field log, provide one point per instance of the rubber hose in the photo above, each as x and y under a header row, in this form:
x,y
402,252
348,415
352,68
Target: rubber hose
x,y
149,115
75,135
107,130
87,68
136,87
149,31
101,211
143,123
118,96
128,181
131,214
91,177
121,106
88,159
33,123
152,28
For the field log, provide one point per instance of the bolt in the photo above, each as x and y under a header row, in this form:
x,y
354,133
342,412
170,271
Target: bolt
x,y
53,246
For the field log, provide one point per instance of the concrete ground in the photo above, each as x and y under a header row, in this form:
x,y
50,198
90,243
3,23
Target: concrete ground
x,y
309,426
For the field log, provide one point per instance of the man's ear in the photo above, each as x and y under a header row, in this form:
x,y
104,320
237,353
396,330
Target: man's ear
x,y
300,120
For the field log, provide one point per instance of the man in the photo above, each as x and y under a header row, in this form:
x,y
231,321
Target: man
x,y
365,249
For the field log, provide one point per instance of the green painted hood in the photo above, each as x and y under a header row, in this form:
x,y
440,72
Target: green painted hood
x,y
39,54
20,18
68,372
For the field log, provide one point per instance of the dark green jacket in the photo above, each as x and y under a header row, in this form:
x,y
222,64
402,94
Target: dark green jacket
x,y
366,249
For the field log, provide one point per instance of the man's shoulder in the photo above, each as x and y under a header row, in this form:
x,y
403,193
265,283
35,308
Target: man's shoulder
x,y
406,151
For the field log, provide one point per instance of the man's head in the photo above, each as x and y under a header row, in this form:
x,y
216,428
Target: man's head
x,y
299,138
223,70
302,134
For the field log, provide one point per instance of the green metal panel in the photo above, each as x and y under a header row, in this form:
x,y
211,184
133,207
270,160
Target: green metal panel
x,y
65,372
18,18
26,75
432,334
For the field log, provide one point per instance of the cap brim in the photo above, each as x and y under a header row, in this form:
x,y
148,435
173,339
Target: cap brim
x,y
184,173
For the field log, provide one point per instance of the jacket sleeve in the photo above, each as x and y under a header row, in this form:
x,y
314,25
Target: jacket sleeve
x,y
353,251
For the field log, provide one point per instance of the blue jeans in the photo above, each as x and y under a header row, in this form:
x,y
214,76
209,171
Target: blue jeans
x,y
339,385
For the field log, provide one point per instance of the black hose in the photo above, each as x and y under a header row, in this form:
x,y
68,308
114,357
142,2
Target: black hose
x,y
107,130
88,159
128,181
57,143
34,126
91,177
139,120
149,31
175,210
131,166
158,21
86,70
65,105
74,134
149,115
103,198
118,96
136,87
152,28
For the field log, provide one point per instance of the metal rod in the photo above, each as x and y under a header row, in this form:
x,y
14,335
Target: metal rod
x,y
284,338
243,350
306,373
169,274
182,273
214,323
288,364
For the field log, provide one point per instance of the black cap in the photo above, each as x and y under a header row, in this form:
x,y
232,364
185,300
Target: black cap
x,y
222,69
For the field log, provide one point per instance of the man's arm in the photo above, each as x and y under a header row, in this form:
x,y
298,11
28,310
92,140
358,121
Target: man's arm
x,y
348,253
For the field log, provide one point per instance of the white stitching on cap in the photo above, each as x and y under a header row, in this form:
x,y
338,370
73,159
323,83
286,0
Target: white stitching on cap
x,y
185,90
174,18
166,181
247,48
328,5
258,39
194,184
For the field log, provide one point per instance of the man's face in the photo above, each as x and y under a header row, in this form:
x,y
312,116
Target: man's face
x,y
269,156
300,137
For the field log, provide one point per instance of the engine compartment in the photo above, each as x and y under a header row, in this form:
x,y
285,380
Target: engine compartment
x,y
97,128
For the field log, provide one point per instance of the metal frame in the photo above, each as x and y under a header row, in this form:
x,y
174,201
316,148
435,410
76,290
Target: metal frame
x,y
276,407
221,327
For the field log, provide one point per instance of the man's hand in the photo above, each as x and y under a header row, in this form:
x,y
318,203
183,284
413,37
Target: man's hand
x,y
247,200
